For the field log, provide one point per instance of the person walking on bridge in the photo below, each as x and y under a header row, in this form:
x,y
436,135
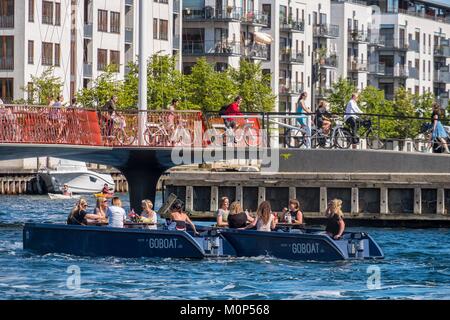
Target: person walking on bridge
x,y
305,119
352,118
109,109
438,134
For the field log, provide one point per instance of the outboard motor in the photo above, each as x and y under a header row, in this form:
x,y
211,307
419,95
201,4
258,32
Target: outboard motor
x,y
212,243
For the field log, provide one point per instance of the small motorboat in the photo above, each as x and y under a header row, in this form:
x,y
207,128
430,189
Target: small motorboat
x,y
58,196
292,244
104,195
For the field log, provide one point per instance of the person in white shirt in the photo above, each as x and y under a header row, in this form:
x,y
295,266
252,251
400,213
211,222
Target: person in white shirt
x,y
351,116
116,214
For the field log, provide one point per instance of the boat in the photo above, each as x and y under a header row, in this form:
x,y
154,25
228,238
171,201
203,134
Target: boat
x,y
292,244
57,196
76,175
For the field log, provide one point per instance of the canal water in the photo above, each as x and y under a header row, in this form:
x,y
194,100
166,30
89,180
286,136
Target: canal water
x,y
417,266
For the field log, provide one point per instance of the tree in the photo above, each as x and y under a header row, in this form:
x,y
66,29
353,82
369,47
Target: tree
x,y
42,87
254,87
207,89
341,93
404,110
104,87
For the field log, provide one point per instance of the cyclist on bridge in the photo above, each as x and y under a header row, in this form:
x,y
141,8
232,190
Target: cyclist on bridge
x,y
352,118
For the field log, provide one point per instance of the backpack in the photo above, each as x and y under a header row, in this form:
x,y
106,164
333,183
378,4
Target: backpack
x,y
223,110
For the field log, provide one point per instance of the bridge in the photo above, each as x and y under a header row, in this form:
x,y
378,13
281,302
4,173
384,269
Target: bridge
x,y
174,138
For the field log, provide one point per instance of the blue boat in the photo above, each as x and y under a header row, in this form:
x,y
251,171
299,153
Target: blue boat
x,y
132,243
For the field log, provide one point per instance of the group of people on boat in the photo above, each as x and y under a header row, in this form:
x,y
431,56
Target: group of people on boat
x,y
233,216
228,216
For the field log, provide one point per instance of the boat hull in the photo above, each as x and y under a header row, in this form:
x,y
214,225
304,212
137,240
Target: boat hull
x,y
78,181
105,241
55,196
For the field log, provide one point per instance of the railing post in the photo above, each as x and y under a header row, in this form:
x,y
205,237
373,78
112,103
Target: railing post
x,y
142,72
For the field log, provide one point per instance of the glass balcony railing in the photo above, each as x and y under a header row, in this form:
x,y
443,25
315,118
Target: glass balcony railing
x,y
442,75
442,50
286,56
6,63
292,26
255,51
255,18
128,34
330,61
413,73
414,45
326,31
398,71
290,88
220,48
358,36
377,68
357,66
209,13
87,70
6,22
88,29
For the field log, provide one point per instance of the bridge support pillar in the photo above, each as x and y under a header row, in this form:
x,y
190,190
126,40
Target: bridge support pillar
x,y
141,185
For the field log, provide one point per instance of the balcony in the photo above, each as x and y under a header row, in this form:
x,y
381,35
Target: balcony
x,y
292,26
129,2
442,75
255,19
88,28
290,88
442,50
7,63
420,14
375,40
87,70
392,44
414,46
255,51
328,62
129,35
357,36
209,14
7,22
322,92
176,6
211,48
399,71
176,42
288,57
377,69
443,100
354,65
326,31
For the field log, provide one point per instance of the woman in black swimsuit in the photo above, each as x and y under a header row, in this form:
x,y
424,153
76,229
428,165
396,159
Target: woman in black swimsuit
x,y
335,225
180,218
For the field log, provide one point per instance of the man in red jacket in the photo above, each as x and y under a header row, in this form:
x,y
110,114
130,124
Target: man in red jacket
x,y
233,110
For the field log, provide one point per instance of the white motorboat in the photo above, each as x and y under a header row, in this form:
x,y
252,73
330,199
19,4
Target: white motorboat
x,y
77,177
57,196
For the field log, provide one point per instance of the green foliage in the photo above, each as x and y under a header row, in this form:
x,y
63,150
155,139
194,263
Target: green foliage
x,y
254,87
341,93
43,87
105,86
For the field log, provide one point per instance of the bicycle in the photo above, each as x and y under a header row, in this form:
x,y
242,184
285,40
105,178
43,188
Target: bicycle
x,y
343,138
295,137
115,129
157,134
423,141
247,134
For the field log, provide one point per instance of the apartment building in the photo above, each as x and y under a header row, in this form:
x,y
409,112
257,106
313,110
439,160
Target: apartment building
x,y
79,38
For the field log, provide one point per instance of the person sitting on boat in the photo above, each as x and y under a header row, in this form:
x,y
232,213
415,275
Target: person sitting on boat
x,y
265,219
238,218
101,208
180,218
335,225
66,191
116,214
148,215
106,189
223,212
295,212
79,216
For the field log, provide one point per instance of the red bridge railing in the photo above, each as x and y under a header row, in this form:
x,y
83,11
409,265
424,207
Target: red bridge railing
x,y
77,126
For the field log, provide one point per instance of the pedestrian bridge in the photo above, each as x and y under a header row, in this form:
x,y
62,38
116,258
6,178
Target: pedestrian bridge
x,y
89,136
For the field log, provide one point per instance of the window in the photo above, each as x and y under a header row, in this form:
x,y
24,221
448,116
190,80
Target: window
x,y
57,55
6,89
114,59
30,10
47,12
102,59
115,22
57,14
163,29
267,10
103,20
47,54
6,53
30,51
155,28
6,13
423,70
429,70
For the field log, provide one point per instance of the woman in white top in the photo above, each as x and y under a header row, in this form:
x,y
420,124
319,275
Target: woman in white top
x,y
223,212
148,215
265,220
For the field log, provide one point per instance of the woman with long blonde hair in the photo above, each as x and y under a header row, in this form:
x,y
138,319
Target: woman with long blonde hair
x,y
335,225
265,219
238,218
101,208
148,215
78,215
